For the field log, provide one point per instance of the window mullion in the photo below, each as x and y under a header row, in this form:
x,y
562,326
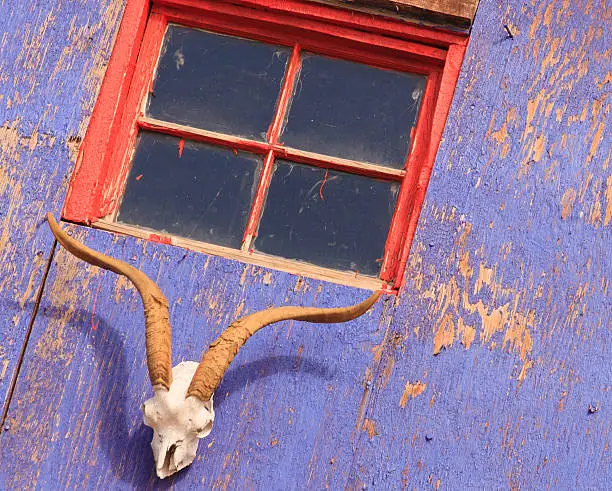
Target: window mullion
x,y
205,136
258,201
274,131
293,69
336,163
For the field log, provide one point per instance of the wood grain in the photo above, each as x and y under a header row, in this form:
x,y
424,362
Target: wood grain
x,y
443,13
254,258
465,9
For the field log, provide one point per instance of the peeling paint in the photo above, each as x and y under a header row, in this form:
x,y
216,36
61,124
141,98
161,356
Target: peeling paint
x,y
608,217
411,390
567,202
369,426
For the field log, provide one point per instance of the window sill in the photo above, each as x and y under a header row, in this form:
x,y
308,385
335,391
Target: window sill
x,y
254,258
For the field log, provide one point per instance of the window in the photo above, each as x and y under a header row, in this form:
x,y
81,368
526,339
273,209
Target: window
x,y
285,134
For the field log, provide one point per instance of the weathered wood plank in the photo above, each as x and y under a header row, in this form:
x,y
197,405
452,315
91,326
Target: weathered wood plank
x,y
292,396
52,59
446,13
465,9
509,278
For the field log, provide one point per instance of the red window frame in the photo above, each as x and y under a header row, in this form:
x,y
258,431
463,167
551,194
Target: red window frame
x,y
105,155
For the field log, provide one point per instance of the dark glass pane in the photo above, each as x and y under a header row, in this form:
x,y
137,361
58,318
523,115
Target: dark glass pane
x,y
193,190
353,111
217,83
345,230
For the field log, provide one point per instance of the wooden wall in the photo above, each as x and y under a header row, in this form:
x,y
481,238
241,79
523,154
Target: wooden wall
x,y
492,369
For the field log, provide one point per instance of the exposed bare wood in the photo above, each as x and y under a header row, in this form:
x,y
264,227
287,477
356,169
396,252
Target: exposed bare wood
x,y
447,13
464,9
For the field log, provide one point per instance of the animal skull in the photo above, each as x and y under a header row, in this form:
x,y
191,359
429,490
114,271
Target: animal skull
x,y
181,410
178,421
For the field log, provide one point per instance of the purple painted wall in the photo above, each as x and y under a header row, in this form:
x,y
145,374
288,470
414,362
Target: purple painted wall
x,y
479,375
52,60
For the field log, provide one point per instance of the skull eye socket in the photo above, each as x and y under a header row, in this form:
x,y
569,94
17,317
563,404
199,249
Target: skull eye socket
x,y
202,432
148,415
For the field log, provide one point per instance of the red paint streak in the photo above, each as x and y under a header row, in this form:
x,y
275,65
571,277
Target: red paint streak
x,y
94,324
80,205
231,142
323,184
139,177
181,146
160,239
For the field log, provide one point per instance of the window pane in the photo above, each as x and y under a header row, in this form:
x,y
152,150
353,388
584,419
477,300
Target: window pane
x,y
353,111
217,83
346,229
193,190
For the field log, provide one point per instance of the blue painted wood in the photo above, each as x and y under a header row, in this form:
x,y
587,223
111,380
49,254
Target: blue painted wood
x,y
509,277
52,58
285,411
491,370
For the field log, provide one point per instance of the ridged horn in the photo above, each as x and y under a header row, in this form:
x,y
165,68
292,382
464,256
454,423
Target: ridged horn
x,y
157,323
222,351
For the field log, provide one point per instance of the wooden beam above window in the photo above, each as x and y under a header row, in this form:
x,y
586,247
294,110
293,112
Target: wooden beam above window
x,y
450,13
464,9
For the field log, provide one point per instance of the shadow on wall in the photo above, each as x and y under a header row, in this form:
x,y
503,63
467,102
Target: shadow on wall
x,y
237,378
130,455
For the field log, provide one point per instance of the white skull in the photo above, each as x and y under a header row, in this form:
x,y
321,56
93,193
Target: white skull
x,y
178,421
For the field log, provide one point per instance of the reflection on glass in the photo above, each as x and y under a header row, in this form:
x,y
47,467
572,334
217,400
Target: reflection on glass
x,y
190,189
353,111
217,83
328,218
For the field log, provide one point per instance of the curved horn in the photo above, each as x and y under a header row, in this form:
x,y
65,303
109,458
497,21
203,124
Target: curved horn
x,y
157,323
221,352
